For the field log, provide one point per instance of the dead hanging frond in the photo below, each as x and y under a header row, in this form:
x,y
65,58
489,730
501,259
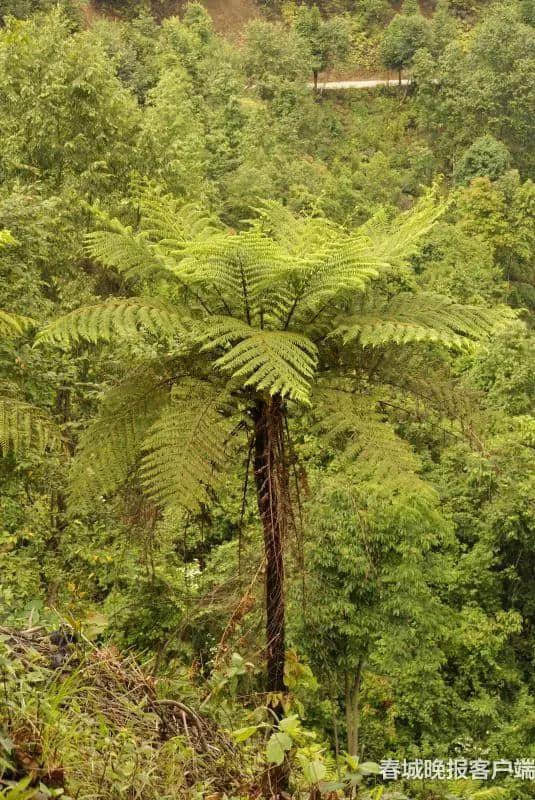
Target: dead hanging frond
x,y
244,606
299,483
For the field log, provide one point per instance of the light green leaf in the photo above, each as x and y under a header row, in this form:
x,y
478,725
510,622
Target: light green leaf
x,y
290,725
314,771
279,743
370,768
242,734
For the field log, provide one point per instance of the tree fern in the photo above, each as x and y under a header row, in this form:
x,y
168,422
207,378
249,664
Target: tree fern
x,y
276,307
420,317
242,266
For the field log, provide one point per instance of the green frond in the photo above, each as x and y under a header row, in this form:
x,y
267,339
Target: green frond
x,y
172,223
167,226
13,324
324,261
296,235
24,427
318,260
241,269
346,265
279,362
110,446
122,249
351,423
396,241
186,448
115,318
421,317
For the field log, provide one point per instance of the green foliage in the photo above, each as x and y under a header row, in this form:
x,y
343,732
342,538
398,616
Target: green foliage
x,y
115,318
404,36
290,264
443,27
485,157
110,446
328,41
273,55
478,77
77,120
13,324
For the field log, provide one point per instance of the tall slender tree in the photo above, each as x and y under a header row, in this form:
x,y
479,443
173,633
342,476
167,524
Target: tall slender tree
x,y
252,326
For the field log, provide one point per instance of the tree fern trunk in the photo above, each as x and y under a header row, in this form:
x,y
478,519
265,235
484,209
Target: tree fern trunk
x,y
272,489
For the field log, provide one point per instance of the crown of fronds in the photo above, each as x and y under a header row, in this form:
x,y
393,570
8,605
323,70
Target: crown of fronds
x,y
279,271
24,427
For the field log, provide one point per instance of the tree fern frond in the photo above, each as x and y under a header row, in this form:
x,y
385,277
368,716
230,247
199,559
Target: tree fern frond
x,y
352,423
418,318
13,324
24,427
241,269
167,226
115,318
279,362
347,265
296,235
122,249
185,448
396,241
110,447
172,223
